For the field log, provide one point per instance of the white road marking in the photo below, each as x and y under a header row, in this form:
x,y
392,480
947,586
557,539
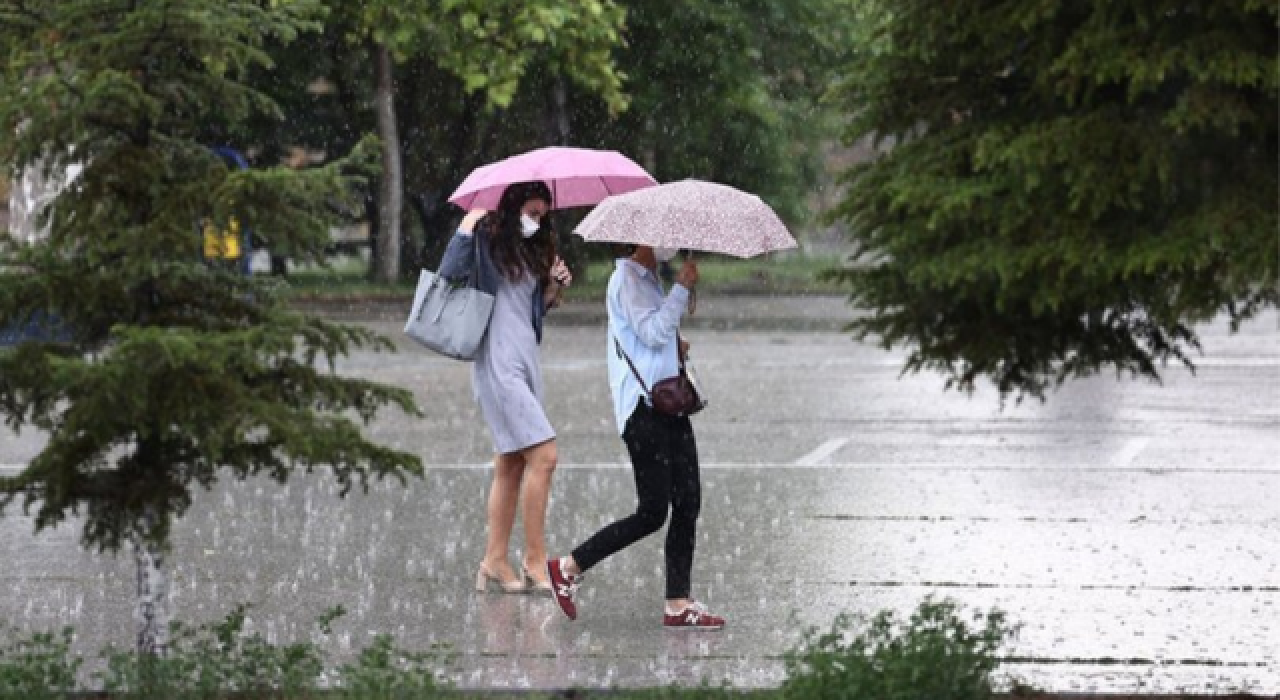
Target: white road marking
x,y
820,455
1125,457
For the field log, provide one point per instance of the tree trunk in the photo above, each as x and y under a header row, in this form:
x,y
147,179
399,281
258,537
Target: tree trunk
x,y
649,161
649,154
152,613
557,125
558,114
386,262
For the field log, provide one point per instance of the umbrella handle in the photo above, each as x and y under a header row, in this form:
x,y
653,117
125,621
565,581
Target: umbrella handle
x,y
693,293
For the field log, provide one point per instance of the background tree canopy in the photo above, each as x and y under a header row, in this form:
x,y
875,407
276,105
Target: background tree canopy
x,y
723,91
1068,186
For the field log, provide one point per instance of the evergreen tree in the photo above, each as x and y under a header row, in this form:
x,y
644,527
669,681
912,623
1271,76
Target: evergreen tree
x,y
172,370
1067,186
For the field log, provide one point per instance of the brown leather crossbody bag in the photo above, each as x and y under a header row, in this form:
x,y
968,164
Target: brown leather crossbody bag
x,y
674,396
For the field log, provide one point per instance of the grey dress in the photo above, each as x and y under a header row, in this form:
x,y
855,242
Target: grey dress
x,y
507,374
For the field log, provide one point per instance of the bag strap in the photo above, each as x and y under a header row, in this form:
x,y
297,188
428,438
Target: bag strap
x,y
474,275
623,354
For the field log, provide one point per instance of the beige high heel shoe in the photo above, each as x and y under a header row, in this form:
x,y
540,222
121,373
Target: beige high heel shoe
x,y
534,584
484,576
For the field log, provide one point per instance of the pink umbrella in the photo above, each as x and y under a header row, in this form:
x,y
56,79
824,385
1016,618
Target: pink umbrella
x,y
577,177
689,214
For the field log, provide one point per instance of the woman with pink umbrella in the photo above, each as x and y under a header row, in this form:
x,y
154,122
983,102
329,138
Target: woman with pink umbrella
x,y
511,254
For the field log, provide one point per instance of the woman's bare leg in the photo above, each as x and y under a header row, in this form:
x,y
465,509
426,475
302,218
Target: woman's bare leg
x,y
504,492
540,461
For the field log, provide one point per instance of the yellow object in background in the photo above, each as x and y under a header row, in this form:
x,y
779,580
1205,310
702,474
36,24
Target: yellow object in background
x,y
222,244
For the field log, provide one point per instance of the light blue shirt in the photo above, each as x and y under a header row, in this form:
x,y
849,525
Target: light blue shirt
x,y
647,324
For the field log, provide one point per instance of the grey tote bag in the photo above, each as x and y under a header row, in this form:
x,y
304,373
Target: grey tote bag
x,y
449,318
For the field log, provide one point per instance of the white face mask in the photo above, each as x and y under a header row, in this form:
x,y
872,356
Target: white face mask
x,y
665,254
528,225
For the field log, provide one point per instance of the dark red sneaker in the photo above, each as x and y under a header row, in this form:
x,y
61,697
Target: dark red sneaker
x,y
563,586
694,617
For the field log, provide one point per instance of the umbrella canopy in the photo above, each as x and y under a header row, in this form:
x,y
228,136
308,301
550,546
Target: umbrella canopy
x,y
692,215
577,177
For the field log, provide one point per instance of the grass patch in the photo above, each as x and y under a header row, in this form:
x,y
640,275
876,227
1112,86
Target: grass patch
x,y
347,279
718,275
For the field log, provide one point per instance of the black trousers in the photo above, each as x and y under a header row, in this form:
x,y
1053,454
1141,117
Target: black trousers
x,y
664,460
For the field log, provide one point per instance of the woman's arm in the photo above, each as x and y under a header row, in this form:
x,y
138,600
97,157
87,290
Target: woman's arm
x,y
460,257
655,326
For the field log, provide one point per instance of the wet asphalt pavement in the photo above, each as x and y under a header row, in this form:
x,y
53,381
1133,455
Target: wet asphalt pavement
x,y
1131,528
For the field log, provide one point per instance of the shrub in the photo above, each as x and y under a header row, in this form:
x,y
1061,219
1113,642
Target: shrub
x,y
213,660
38,667
934,655
220,660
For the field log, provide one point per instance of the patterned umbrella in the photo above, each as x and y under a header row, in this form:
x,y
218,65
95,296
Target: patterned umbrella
x,y
690,215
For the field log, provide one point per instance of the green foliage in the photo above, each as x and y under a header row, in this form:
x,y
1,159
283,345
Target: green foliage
x,y
677,692
177,369
40,667
728,92
933,655
489,44
1066,187
722,91
212,661
220,660
481,51
385,672
499,40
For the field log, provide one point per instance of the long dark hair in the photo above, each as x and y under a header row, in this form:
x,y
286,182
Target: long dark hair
x,y
512,252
